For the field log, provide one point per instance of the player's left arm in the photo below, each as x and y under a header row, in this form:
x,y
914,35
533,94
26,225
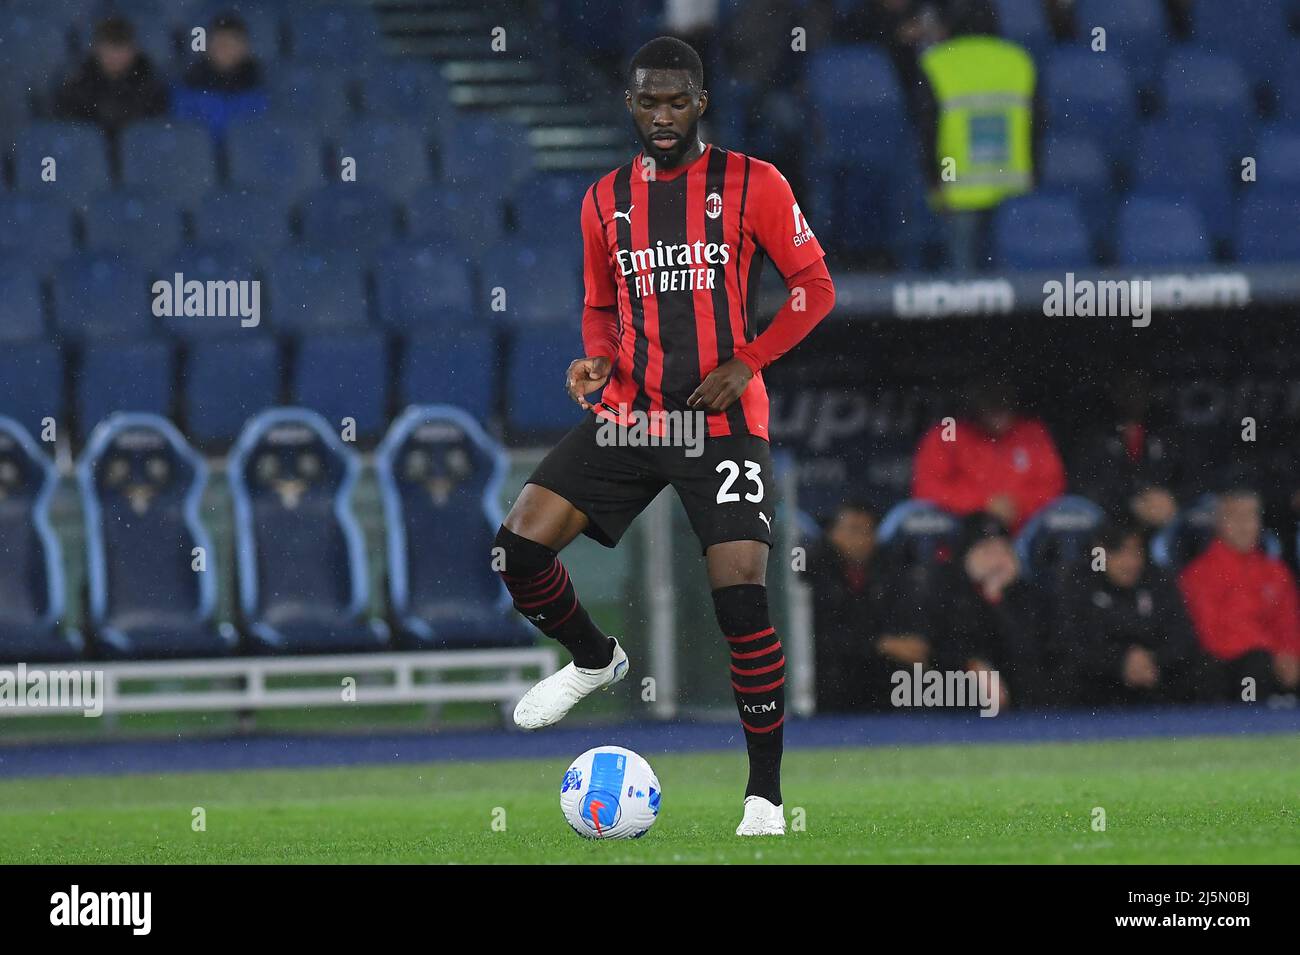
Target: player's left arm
x,y
780,229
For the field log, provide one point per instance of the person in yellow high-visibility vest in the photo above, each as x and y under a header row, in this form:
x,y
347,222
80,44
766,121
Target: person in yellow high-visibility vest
x,y
976,114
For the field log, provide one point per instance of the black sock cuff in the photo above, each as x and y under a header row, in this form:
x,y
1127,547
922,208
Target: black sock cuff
x,y
741,609
523,556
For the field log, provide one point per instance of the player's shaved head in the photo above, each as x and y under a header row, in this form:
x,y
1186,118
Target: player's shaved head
x,y
666,53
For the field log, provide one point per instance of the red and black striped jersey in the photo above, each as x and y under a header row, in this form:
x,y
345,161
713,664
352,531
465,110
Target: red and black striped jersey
x,y
679,252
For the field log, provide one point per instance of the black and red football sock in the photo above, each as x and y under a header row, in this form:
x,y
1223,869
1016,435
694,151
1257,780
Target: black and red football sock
x,y
544,594
757,681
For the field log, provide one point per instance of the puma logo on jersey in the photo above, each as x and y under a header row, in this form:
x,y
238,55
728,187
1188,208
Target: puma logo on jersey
x,y
766,520
626,215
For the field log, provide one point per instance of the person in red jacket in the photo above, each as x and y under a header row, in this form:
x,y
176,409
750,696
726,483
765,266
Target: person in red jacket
x,y
1244,604
993,460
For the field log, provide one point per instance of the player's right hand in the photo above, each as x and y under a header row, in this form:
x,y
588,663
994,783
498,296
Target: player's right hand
x,y
586,375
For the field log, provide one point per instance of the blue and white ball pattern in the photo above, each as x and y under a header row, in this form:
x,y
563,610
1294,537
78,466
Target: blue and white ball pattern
x,y
610,793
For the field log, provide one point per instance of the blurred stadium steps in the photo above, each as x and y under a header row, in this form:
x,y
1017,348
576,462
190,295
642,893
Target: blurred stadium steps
x,y
565,131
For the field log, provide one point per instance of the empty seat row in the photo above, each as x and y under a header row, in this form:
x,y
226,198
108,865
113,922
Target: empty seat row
x,y
302,578
212,386
178,160
1047,231
416,287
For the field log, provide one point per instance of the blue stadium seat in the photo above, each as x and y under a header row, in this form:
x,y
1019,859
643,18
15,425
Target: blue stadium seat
x,y
144,230
303,580
1054,541
1157,231
257,223
1201,87
546,203
99,296
1266,227
314,291
344,376
1075,166
35,231
334,34
447,214
1135,29
1092,95
33,47
421,286
918,531
80,161
31,561
224,311
317,95
22,314
440,478
228,380
1284,83
273,155
539,283
1277,154
1255,39
1177,159
391,156
347,217
31,384
407,90
854,88
169,159
537,408
450,367
1040,232
123,376
141,487
482,151
1024,22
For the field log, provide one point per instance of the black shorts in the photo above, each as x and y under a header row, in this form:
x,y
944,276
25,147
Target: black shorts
x,y
727,490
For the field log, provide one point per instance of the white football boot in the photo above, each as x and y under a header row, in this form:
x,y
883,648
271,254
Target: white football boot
x,y
551,699
761,818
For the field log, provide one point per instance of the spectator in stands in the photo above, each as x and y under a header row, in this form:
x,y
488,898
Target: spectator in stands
x,y
856,644
985,616
225,83
975,112
116,84
1129,468
992,460
1244,605
1122,635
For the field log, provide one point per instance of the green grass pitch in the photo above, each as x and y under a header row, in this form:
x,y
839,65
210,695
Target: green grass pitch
x,y
1194,800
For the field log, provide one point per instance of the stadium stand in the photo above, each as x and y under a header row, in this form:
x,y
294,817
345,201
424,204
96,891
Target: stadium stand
x,y
379,294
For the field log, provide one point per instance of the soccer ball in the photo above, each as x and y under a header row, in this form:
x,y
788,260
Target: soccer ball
x,y
610,793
